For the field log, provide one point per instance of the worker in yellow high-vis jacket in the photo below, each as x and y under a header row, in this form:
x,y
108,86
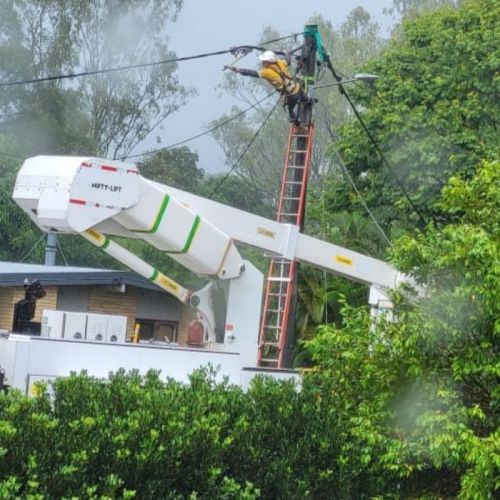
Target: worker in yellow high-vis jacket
x,y
275,71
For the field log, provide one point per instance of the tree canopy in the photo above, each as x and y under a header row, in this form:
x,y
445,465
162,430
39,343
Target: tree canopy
x,y
433,111
101,114
418,397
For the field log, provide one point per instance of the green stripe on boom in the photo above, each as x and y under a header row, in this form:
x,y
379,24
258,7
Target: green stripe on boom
x,y
190,237
196,224
106,243
154,275
159,217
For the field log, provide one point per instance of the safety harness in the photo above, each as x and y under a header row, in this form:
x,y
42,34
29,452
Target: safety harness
x,y
288,84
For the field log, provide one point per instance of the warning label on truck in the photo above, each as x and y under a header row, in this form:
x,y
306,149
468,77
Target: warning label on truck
x,y
341,259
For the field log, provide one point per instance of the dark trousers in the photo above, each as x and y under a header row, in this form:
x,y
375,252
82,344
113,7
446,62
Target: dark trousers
x,y
291,102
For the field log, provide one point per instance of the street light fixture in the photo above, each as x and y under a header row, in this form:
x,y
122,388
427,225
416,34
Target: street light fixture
x,y
358,77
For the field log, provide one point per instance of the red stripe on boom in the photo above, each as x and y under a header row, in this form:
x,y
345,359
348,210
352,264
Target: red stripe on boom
x,y
108,168
77,202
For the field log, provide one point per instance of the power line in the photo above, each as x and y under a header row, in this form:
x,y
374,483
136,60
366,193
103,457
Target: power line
x,y
111,70
240,158
351,181
372,139
184,141
201,134
130,66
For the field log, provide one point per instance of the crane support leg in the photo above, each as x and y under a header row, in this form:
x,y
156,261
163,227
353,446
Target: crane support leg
x,y
141,267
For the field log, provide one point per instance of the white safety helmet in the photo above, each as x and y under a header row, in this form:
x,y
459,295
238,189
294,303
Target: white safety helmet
x,y
268,56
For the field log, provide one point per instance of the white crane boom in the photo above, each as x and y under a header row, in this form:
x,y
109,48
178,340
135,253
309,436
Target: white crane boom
x,y
97,198
69,194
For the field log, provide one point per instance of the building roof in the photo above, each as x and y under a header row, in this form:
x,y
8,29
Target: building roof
x,y
14,274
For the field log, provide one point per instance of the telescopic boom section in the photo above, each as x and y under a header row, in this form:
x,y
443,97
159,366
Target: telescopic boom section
x,y
73,195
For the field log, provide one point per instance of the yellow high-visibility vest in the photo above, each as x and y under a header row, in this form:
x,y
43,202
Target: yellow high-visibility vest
x,y
278,76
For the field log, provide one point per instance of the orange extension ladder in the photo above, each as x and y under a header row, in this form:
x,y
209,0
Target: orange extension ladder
x,y
278,301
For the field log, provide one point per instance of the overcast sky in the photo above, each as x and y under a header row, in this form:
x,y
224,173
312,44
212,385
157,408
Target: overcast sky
x,y
211,25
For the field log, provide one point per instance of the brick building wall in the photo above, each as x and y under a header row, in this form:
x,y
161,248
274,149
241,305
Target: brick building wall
x,y
9,296
101,300
186,315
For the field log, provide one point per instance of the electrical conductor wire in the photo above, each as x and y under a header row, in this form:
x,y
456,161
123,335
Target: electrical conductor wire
x,y
247,147
351,181
130,66
201,134
373,141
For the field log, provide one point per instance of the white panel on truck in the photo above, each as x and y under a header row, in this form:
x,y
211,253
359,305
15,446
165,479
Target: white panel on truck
x,y
75,325
97,324
52,324
117,329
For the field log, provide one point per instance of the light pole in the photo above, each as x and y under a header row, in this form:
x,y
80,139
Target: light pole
x,y
358,77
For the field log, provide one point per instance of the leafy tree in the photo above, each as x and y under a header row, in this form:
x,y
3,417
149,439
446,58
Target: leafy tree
x,y
413,8
433,111
102,114
140,437
426,123
175,167
106,115
418,398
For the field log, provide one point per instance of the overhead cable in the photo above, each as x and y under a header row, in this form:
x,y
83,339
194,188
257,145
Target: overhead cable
x,y
372,139
129,66
184,141
111,70
351,181
247,147
201,134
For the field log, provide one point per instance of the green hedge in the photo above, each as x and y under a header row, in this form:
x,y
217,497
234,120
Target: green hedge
x,y
139,437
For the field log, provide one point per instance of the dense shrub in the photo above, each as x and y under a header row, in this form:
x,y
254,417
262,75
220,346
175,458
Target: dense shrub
x,y
140,437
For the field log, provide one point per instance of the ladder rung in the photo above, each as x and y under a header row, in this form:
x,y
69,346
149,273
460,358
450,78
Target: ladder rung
x,y
273,327
291,197
301,167
294,182
269,344
289,214
297,150
274,310
279,267
268,360
273,278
